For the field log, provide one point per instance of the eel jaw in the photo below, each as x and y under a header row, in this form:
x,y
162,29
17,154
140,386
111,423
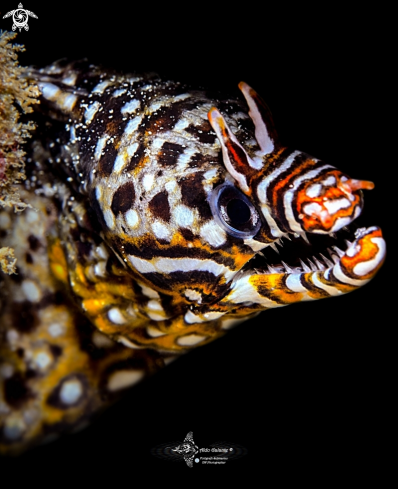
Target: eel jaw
x,y
346,271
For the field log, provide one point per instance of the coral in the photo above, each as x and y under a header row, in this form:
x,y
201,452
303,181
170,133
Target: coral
x,y
17,94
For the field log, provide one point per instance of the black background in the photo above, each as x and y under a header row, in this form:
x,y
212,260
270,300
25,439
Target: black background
x,y
306,388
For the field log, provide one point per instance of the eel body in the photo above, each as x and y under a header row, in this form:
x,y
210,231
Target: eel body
x,y
161,216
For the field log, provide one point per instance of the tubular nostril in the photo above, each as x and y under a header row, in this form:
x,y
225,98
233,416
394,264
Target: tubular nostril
x,y
351,185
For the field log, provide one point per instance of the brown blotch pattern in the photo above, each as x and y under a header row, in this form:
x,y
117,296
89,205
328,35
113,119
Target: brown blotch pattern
x,y
169,153
194,196
123,198
159,206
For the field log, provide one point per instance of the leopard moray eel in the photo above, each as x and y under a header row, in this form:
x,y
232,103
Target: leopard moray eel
x,y
157,212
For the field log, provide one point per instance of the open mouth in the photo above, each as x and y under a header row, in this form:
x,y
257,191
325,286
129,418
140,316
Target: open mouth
x,y
358,250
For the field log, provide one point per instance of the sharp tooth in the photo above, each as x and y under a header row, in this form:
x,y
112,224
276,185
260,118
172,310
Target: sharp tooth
x,y
326,260
274,248
312,265
348,243
279,242
338,251
287,268
304,236
333,235
304,266
260,253
319,264
272,270
287,237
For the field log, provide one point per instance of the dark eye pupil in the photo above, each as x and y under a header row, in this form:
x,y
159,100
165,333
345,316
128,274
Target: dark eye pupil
x,y
238,211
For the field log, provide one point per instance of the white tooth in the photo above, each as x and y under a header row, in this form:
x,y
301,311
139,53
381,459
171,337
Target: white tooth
x,y
333,235
304,266
336,259
338,251
320,265
304,236
326,260
348,243
272,270
312,265
287,268
345,228
274,248
287,237
279,242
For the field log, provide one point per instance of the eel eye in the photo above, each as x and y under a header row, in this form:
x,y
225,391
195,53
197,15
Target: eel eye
x,y
234,212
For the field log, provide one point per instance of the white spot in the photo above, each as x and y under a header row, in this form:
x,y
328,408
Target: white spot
x,y
190,339
213,233
116,316
42,360
329,181
161,231
100,146
185,157
181,125
130,107
131,218
49,91
193,295
102,341
124,378
335,205
31,291
13,428
69,102
6,370
149,292
353,250
183,216
109,218
154,305
90,111
154,332
56,330
314,190
98,193
340,223
70,79
147,181
31,216
313,208
100,269
118,92
132,149
132,126
101,87
71,391
5,220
